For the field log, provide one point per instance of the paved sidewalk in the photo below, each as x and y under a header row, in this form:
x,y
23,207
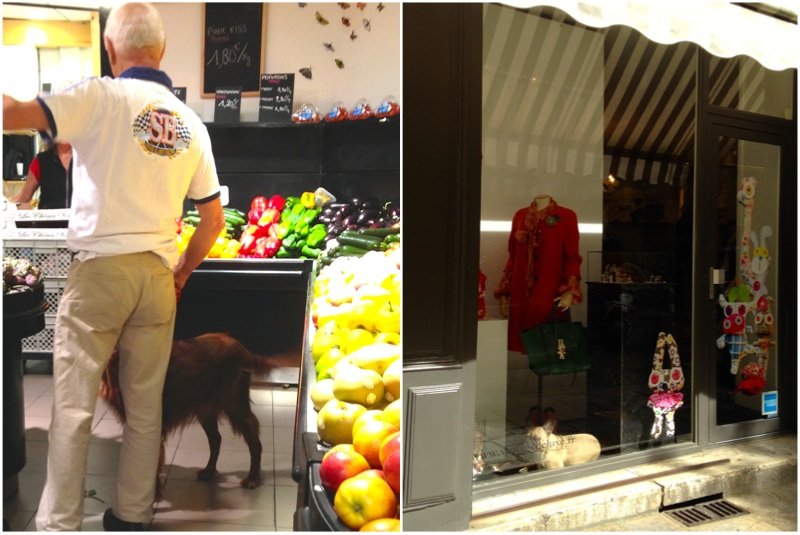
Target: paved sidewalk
x,y
758,475
773,509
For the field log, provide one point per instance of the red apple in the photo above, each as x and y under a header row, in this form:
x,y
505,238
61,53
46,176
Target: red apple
x,y
389,444
339,465
364,498
382,524
391,471
368,439
339,447
372,472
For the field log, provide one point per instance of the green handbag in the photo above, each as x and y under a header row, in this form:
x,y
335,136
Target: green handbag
x,y
557,348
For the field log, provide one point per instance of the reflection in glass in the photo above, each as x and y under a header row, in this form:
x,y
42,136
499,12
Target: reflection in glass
x,y
741,83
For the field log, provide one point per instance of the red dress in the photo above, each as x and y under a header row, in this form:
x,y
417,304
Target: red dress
x,y
543,262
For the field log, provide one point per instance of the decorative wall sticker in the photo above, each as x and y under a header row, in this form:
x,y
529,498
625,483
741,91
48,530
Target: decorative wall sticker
x,y
322,20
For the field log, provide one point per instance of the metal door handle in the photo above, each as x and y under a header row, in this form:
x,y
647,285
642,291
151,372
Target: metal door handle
x,y
715,276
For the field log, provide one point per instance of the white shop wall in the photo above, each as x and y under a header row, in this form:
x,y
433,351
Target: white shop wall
x,y
294,39
542,132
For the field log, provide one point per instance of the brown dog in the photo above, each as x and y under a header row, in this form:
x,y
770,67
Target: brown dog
x,y
208,377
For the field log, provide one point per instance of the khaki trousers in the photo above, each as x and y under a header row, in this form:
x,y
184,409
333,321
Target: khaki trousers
x,y
126,301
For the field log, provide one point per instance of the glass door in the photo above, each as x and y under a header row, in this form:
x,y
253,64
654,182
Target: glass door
x,y
744,292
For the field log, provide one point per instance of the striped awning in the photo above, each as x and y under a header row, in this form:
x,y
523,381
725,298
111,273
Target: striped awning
x,y
722,27
649,96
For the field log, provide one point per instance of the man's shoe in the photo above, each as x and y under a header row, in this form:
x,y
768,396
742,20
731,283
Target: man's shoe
x,y
112,523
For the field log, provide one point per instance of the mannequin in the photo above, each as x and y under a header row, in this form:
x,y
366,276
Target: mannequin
x,y
543,267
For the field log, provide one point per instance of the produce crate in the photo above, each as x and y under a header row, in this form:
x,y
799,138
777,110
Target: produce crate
x,y
41,342
53,290
51,256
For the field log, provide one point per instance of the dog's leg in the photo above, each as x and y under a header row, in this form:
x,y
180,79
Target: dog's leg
x,y
161,476
248,428
209,424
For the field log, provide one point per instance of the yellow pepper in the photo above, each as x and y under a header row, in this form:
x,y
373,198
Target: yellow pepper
x,y
307,200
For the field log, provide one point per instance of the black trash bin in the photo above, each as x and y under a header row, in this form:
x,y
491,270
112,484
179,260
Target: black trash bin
x,y
23,315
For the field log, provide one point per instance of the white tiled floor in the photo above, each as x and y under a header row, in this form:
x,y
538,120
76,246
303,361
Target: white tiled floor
x,y
188,504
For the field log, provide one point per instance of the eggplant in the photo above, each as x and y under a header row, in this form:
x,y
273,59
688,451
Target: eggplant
x,y
364,202
334,229
368,214
392,213
340,208
325,219
349,220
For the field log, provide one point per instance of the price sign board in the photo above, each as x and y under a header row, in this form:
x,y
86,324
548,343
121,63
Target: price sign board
x,y
227,105
275,98
180,92
233,46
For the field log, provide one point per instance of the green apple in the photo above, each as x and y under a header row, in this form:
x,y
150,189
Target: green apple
x,y
335,421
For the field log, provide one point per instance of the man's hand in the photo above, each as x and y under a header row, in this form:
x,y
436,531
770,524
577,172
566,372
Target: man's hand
x,y
212,221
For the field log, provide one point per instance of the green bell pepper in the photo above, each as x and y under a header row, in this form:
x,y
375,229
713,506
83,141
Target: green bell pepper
x,y
316,234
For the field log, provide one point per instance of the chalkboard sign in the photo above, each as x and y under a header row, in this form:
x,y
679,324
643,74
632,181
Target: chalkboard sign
x,y
233,46
275,99
180,92
227,105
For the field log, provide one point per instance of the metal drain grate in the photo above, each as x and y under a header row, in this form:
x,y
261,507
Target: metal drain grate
x,y
704,512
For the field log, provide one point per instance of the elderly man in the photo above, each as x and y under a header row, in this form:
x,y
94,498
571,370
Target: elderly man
x,y
139,152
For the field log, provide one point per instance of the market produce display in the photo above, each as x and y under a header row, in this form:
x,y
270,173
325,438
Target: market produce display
x,y
355,347
311,225
19,275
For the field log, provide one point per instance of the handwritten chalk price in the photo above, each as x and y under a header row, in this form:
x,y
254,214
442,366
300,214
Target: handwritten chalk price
x,y
233,55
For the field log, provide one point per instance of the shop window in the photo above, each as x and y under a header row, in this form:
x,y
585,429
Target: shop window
x,y
601,122
747,363
741,83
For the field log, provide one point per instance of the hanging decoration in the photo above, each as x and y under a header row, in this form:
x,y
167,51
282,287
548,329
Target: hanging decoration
x,y
666,385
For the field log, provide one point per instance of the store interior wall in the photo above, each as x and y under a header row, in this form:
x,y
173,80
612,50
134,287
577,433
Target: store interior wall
x,y
294,40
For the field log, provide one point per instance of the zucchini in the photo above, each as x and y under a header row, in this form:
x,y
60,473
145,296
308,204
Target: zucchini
x,y
364,242
234,220
350,250
392,238
380,232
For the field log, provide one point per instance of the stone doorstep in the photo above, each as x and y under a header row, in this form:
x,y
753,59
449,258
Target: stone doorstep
x,y
756,464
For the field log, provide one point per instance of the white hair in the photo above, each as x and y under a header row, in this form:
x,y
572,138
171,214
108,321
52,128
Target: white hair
x,y
135,27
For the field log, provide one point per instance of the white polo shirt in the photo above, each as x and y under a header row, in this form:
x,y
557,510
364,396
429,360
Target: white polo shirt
x,y
139,152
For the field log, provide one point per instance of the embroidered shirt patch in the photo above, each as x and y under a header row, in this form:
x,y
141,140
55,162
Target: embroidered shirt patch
x,y
161,132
